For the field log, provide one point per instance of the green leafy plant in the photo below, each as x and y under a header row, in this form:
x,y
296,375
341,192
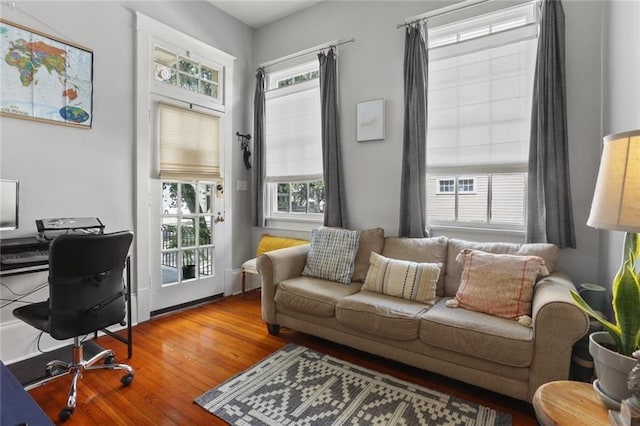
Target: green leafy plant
x,y
626,300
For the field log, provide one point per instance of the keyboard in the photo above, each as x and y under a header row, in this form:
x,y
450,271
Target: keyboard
x,y
25,257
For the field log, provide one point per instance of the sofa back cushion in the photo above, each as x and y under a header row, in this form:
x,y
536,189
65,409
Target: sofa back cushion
x,y
548,252
403,278
332,254
420,250
371,241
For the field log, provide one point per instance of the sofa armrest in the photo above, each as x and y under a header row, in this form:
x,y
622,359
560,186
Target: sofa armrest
x,y
558,323
274,267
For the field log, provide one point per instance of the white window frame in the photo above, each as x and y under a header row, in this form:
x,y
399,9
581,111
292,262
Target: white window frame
x,y
275,218
458,31
273,203
193,57
489,224
445,181
462,190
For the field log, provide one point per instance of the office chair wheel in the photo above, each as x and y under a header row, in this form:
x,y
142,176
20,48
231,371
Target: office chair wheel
x,y
109,360
49,371
65,414
126,379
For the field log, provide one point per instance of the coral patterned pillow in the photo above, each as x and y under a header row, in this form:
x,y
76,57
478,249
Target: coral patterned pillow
x,y
498,284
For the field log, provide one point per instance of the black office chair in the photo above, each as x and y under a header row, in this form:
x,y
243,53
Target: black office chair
x,y
86,294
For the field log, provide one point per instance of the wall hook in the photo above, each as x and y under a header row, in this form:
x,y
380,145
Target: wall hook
x,y
244,145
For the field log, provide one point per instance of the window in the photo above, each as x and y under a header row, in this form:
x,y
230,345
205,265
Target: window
x,y
304,76
479,106
187,238
300,197
446,186
293,146
466,186
186,73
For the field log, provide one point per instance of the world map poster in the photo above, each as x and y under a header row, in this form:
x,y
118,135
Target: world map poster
x,y
44,78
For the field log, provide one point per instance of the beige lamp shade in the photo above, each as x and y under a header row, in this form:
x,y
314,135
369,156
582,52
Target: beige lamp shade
x,y
616,201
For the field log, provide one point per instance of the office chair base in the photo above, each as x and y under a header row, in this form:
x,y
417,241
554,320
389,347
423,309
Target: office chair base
x,y
77,367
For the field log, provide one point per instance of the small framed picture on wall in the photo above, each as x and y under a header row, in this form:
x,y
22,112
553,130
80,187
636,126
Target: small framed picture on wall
x,y
370,120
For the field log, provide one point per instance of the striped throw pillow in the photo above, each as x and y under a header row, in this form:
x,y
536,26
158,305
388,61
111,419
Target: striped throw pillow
x,y
498,284
402,278
332,254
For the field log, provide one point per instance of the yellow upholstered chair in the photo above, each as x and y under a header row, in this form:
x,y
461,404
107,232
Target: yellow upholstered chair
x,y
267,243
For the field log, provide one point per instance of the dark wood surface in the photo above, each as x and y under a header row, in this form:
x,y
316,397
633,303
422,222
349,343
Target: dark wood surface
x,y
182,355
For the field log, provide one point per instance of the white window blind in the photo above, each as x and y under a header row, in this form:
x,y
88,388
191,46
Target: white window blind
x,y
293,133
480,87
189,144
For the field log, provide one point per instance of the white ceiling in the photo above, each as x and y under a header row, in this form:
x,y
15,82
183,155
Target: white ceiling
x,y
257,13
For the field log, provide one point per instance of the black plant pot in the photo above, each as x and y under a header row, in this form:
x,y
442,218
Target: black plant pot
x,y
188,271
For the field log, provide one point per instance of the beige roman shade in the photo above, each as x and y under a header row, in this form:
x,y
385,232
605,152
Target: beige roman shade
x,y
189,144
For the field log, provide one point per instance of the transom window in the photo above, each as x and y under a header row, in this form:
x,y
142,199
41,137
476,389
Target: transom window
x,y
187,73
299,78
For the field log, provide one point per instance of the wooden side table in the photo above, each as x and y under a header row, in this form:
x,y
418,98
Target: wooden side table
x,y
569,403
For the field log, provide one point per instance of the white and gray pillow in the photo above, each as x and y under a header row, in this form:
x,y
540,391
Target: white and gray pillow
x,y
332,254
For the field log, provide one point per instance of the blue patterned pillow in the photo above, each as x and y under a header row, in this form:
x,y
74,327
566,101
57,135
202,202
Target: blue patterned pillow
x,y
332,254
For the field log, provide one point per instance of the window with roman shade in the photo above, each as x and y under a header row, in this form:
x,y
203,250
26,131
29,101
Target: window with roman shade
x,y
189,144
293,144
479,108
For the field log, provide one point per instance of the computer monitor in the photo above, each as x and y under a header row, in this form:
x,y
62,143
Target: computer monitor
x,y
9,202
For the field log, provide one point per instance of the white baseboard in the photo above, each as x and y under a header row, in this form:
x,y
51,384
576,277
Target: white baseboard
x,y
233,282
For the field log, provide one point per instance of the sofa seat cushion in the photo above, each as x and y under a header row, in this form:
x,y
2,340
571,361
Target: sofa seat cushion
x,y
381,315
312,295
474,333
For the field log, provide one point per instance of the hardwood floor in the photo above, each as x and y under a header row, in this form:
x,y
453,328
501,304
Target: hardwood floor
x,y
180,356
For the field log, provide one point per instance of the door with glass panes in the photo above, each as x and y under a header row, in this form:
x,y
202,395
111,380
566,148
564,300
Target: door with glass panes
x,y
189,225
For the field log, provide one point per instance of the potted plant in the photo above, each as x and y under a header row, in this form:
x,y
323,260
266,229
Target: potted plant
x,y
612,349
188,264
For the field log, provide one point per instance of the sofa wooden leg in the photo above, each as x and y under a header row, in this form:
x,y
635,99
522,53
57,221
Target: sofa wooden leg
x,y
274,329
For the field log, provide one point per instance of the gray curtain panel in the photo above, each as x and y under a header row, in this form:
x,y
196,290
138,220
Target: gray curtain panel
x,y
549,208
333,209
413,184
258,151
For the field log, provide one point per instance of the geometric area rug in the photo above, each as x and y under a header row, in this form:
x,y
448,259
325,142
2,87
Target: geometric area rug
x,y
299,386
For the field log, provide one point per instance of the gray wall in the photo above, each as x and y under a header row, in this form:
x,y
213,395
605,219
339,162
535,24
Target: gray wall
x,y
372,68
72,172
66,172
621,109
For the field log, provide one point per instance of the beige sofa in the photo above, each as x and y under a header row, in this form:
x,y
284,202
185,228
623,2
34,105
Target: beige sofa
x,y
487,351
